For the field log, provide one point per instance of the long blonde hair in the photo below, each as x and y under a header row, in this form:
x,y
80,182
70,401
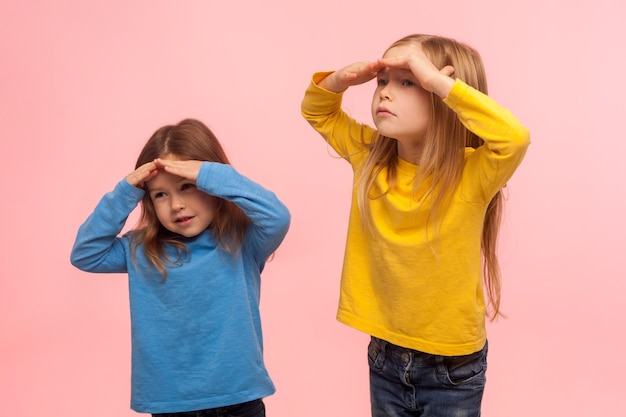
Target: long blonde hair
x,y
188,140
442,160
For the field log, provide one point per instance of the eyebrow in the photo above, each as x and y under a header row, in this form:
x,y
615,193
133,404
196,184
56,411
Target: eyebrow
x,y
176,183
150,189
152,192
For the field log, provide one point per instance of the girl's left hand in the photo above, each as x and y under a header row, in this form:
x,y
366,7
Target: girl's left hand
x,y
430,77
188,169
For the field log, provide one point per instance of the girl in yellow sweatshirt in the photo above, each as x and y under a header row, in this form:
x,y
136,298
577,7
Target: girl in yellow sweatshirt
x,y
426,206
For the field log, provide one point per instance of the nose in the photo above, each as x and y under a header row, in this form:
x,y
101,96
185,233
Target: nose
x,y
178,204
384,93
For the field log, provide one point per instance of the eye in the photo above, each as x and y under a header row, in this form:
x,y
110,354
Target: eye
x,y
187,185
158,195
408,83
382,82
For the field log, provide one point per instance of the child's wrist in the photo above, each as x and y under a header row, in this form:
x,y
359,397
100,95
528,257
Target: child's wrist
x,y
332,83
442,85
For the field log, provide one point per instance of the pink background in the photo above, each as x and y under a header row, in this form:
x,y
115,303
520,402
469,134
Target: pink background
x,y
83,84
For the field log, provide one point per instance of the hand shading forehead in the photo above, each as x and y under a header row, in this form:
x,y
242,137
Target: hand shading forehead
x,y
390,73
171,157
163,180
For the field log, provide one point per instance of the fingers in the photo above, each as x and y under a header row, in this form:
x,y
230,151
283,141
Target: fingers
x,y
186,169
426,73
142,174
357,73
163,163
402,61
368,69
172,166
448,70
149,170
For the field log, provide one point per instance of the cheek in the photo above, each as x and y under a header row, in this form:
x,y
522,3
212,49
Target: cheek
x,y
425,99
160,212
209,203
419,105
214,204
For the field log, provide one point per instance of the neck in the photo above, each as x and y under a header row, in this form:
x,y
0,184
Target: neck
x,y
410,153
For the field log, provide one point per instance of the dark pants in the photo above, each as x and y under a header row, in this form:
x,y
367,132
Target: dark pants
x,y
409,383
254,408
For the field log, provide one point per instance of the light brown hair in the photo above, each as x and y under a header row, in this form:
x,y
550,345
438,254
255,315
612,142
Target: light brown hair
x,y
442,160
188,140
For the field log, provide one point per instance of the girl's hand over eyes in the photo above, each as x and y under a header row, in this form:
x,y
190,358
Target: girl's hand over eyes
x,y
144,173
188,169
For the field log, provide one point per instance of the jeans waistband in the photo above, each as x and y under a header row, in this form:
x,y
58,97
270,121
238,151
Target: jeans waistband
x,y
406,355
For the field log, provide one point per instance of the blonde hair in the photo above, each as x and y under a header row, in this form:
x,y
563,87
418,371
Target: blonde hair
x,y
188,140
442,160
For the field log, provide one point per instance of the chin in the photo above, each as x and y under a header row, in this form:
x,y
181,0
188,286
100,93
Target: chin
x,y
190,234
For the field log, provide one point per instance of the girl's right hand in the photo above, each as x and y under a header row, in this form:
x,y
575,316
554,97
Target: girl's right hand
x,y
354,74
144,173
431,78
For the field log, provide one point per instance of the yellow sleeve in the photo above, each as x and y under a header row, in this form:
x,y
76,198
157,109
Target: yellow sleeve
x,y
322,109
505,138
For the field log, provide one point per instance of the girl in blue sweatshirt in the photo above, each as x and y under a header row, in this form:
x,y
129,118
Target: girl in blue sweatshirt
x,y
193,265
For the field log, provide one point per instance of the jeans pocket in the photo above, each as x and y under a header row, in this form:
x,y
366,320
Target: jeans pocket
x,y
467,370
375,355
254,408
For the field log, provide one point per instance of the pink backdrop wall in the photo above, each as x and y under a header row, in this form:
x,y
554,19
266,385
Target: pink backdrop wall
x,y
84,83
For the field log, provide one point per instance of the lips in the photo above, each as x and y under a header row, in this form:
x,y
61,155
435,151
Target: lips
x,y
383,111
183,219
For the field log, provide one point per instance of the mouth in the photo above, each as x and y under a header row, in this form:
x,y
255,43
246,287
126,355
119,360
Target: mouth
x,y
384,111
183,220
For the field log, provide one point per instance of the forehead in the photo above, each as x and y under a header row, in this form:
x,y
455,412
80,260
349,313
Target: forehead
x,y
396,73
163,180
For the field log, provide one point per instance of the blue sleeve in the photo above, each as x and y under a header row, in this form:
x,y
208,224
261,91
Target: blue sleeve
x,y
97,247
270,217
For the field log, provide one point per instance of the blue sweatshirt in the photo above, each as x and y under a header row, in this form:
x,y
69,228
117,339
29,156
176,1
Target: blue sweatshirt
x,y
196,338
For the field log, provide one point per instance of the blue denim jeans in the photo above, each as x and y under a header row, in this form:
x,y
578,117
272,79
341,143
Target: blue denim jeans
x,y
406,382
254,408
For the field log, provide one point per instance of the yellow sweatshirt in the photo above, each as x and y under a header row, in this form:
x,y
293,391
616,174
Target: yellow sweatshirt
x,y
394,285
